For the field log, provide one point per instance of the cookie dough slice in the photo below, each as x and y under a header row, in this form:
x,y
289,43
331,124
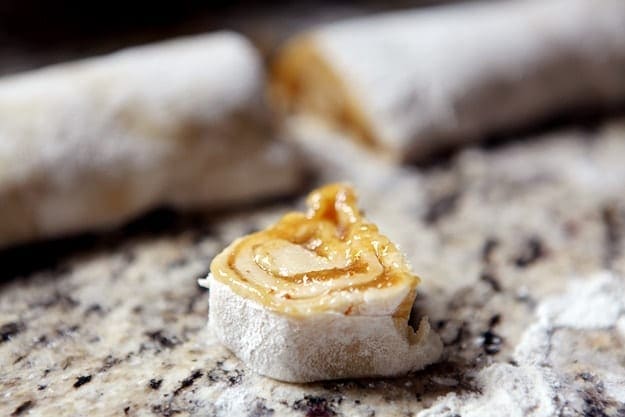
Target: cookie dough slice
x,y
319,295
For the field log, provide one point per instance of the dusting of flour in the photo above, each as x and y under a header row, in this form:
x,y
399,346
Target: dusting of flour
x,y
544,380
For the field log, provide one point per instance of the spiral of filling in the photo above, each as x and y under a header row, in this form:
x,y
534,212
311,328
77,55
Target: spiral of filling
x,y
329,259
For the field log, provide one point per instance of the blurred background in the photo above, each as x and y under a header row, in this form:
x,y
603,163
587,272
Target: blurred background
x,y
37,33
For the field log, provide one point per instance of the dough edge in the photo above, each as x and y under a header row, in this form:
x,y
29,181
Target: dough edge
x,y
323,347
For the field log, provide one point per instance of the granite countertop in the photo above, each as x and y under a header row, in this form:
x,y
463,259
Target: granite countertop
x,y
520,247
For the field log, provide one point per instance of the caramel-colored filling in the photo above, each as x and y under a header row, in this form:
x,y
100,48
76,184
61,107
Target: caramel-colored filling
x,y
304,82
328,259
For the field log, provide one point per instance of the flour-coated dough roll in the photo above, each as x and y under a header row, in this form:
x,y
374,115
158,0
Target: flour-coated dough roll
x,y
414,81
90,144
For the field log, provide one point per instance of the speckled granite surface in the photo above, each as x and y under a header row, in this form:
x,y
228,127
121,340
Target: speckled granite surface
x,y
521,251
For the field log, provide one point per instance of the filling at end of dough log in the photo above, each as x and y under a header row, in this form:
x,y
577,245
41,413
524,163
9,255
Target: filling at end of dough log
x,y
319,295
304,82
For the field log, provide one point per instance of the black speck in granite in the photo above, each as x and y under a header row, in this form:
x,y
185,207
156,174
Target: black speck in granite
x,y
235,377
41,387
67,331
95,309
488,249
230,377
67,362
586,376
126,410
441,207
109,362
188,331
82,380
188,381
595,405
155,384
532,251
314,406
9,330
523,296
165,410
163,340
23,407
42,340
260,409
57,299
491,342
491,279
613,224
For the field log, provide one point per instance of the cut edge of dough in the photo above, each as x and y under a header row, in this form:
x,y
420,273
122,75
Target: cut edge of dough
x,y
320,347
303,82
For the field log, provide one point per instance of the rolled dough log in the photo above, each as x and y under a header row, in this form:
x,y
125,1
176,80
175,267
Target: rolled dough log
x,y
319,295
415,81
90,144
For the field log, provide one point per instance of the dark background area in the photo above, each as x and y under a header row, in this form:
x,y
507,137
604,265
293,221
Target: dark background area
x,y
37,33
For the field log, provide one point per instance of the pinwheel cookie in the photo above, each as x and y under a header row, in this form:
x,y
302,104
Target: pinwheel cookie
x,y
319,295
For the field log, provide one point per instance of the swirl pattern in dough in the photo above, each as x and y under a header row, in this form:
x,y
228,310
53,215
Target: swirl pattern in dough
x,y
328,260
